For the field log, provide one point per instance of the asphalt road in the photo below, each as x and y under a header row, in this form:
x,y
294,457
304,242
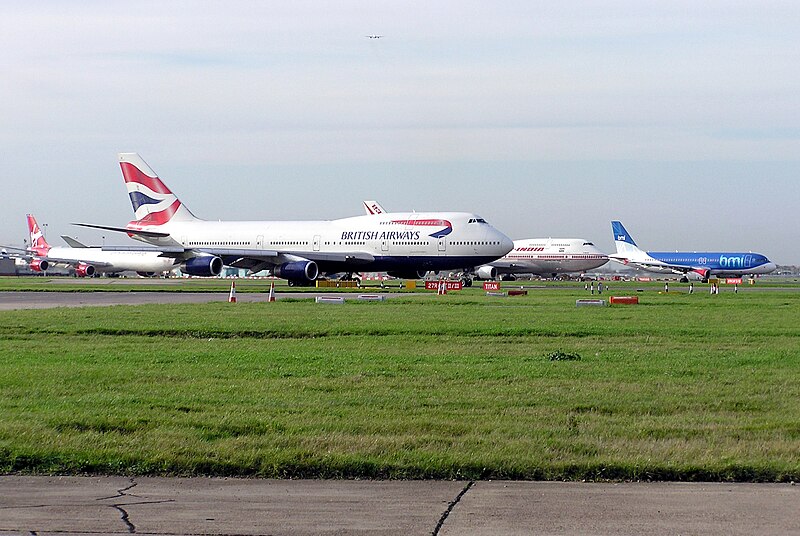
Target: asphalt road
x,y
168,506
45,300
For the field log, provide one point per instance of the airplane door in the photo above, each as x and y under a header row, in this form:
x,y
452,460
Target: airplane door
x,y
384,245
316,242
184,242
260,242
748,261
442,245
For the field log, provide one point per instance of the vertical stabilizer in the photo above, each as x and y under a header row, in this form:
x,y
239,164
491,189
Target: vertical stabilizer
x,y
38,243
622,239
373,207
153,203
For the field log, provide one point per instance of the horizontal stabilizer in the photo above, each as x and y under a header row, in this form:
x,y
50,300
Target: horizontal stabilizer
x,y
71,242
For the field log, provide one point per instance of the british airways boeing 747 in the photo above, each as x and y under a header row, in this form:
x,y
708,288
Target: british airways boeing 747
x,y
404,244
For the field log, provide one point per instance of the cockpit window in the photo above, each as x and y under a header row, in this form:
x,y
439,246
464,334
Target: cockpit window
x,y
476,220
588,244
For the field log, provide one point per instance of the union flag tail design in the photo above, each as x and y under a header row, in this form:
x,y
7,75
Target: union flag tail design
x,y
153,203
38,243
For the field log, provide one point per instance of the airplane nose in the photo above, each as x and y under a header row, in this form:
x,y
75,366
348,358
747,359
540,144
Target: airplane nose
x,y
506,244
770,267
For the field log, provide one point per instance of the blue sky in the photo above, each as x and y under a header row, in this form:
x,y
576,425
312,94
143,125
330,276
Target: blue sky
x,y
682,119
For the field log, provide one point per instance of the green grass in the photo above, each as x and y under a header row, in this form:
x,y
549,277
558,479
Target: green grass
x,y
460,386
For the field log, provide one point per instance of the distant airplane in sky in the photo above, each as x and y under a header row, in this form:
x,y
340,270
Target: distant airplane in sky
x,y
90,260
406,245
546,257
705,264
373,36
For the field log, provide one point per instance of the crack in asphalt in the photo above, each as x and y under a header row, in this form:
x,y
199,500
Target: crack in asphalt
x,y
125,518
119,507
121,492
450,507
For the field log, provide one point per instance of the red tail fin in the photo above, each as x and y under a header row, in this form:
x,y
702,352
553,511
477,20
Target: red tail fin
x,y
38,243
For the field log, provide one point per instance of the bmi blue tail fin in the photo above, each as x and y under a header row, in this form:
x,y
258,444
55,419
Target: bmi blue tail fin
x,y
621,234
626,247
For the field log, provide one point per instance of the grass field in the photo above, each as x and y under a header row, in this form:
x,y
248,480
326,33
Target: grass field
x,y
679,387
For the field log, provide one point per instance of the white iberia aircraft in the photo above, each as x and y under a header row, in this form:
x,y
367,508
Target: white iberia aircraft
x,y
404,244
546,257
90,260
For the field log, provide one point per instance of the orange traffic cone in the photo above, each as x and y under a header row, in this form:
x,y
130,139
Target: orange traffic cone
x,y
271,292
232,295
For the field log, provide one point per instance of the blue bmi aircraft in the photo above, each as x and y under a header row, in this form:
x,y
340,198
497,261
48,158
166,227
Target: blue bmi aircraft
x,y
705,263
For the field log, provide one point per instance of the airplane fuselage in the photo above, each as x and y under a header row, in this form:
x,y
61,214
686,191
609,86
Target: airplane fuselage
x,y
547,256
112,261
391,241
705,264
724,264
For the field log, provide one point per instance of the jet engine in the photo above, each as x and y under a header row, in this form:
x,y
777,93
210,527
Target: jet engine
x,y
205,266
486,272
413,274
85,270
39,265
300,271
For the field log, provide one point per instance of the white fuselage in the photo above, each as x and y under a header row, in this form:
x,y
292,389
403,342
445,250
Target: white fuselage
x,y
547,256
396,241
112,261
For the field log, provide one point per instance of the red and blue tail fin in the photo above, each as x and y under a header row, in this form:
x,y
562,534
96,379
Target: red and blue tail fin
x,y
153,203
38,243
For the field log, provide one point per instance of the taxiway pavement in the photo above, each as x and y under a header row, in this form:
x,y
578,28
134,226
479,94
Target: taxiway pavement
x,y
167,506
44,300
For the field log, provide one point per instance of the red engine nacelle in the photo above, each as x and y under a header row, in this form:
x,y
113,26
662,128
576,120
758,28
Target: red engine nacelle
x,y
84,270
39,265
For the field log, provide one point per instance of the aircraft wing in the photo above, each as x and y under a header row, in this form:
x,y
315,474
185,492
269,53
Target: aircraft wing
x,y
75,262
16,253
23,250
273,257
505,265
167,251
146,234
660,265
256,260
